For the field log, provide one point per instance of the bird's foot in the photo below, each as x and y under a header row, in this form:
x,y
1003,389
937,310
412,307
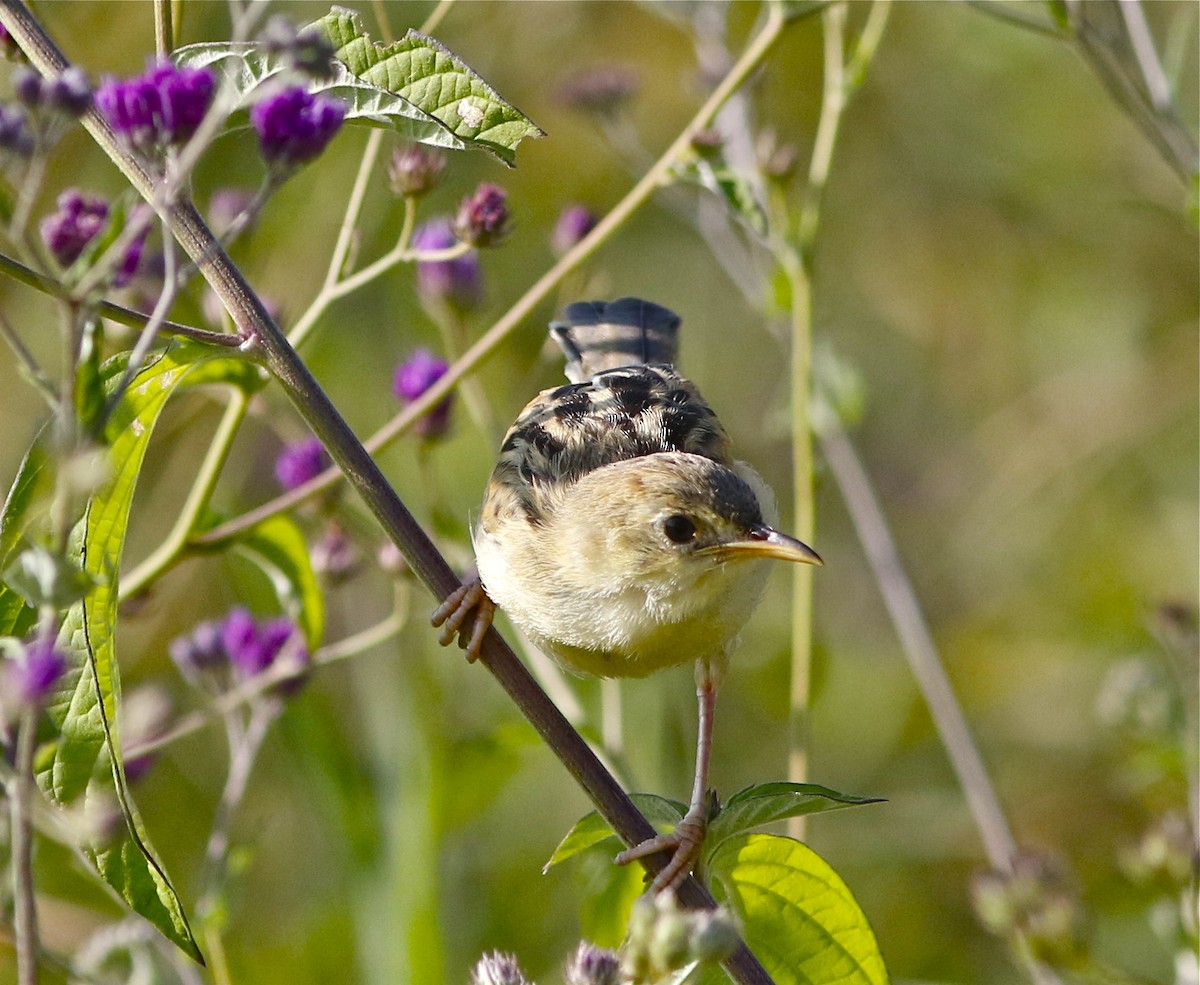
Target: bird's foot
x,y
466,613
685,841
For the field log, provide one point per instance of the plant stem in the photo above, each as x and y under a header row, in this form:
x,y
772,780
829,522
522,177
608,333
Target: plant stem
x,y
25,909
176,542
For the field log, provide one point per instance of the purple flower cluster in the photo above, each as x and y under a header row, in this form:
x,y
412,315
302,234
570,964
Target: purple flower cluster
x,y
414,376
456,283
293,126
79,219
483,218
237,643
300,462
30,677
68,94
161,107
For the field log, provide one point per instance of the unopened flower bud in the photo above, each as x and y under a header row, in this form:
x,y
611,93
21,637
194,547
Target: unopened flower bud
x,y
416,170
414,376
483,218
27,86
498,968
574,223
300,462
591,965
456,284
15,137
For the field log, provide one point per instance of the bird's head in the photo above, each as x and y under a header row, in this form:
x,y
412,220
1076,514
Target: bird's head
x,y
671,518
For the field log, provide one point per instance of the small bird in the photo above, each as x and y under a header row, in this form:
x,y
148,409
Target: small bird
x,y
618,532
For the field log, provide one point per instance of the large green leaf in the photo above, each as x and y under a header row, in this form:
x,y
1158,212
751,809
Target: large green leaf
x,y
16,615
777,801
797,915
249,68
433,78
85,705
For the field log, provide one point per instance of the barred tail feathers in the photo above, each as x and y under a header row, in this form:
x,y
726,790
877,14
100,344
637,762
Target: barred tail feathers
x,y
599,336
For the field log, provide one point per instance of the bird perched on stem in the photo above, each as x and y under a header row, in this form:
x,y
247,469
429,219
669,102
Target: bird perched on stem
x,y
619,533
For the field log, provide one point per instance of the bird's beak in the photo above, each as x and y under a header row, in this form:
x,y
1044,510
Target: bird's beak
x,y
763,541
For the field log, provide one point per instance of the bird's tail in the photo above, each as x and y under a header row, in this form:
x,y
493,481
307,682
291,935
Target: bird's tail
x,y
602,335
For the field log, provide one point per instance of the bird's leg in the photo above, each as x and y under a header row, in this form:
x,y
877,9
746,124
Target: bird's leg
x,y
467,613
688,837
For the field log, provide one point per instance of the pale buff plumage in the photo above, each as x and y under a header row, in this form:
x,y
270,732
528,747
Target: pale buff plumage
x,y
618,532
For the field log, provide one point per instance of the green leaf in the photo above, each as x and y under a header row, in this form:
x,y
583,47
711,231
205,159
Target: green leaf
x,y
592,829
797,915
767,802
278,547
433,78
249,68
732,187
18,512
89,387
85,704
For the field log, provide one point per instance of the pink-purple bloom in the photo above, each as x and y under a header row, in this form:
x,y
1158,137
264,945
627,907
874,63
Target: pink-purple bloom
x,y
574,222
483,218
162,106
300,462
293,126
421,370
238,644
457,283
33,674
77,222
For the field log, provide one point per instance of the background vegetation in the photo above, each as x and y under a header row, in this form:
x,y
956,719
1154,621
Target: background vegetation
x,y
1010,269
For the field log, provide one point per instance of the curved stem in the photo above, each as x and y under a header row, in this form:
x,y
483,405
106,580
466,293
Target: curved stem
x,y
176,542
24,907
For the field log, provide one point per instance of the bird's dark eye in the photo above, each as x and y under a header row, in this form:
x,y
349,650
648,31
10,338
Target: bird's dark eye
x,y
679,529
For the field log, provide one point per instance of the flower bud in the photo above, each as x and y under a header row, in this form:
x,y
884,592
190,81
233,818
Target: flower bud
x,y
33,674
498,968
416,170
456,284
421,370
27,86
483,218
69,94
603,91
300,462
15,137
591,965
574,223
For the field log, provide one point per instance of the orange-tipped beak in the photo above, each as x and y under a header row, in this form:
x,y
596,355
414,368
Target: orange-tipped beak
x,y
763,541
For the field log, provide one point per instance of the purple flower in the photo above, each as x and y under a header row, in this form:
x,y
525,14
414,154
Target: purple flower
x,y
591,965
414,376
69,93
33,674
200,655
78,220
162,106
415,170
299,462
574,222
14,131
294,126
482,218
456,283
498,968
253,647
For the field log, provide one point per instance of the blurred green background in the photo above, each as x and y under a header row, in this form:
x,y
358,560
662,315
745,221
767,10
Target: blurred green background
x,y
1011,269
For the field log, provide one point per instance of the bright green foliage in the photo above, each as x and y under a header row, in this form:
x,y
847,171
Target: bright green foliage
x,y
277,546
433,78
767,802
797,915
85,705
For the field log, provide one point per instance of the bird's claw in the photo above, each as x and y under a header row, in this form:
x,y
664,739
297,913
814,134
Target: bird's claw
x,y
467,613
686,841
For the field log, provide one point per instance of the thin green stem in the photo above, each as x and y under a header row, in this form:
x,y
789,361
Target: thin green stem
x,y
175,543
29,365
486,345
25,923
